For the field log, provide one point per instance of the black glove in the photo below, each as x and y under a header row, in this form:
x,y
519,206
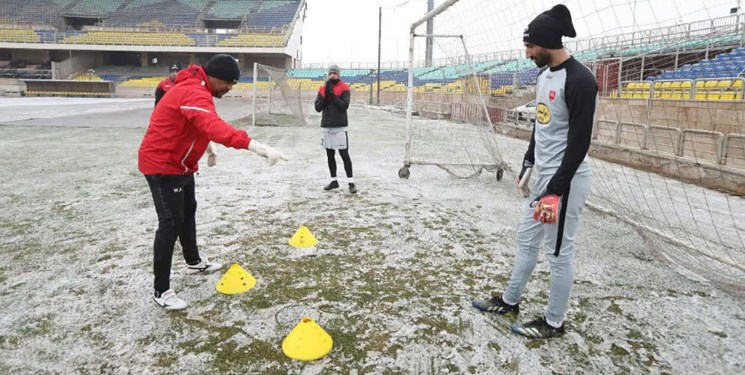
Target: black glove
x,y
329,91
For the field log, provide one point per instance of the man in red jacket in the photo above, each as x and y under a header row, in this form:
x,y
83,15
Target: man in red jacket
x,y
181,127
163,87
167,83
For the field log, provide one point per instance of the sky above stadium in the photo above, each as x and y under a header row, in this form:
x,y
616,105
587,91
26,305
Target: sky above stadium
x,y
343,31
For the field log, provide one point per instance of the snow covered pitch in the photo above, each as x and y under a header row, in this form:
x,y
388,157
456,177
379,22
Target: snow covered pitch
x,y
391,279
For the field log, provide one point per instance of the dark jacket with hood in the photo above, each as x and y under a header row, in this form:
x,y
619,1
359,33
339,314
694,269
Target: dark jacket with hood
x,y
335,106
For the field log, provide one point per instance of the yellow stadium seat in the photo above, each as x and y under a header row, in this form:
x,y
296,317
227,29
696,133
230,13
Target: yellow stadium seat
x,y
19,35
727,96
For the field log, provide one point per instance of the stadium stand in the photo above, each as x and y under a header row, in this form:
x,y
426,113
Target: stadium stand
x,y
31,11
96,7
19,35
231,9
718,78
275,14
258,40
723,65
157,14
129,38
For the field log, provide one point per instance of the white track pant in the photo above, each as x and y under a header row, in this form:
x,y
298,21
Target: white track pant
x,y
558,244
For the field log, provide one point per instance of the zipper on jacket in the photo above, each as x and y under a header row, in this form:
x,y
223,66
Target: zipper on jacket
x,y
186,169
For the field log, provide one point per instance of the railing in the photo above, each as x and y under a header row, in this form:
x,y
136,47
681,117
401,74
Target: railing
x,y
706,146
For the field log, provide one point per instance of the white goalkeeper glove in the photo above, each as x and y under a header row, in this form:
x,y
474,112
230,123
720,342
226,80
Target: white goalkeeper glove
x,y
211,155
523,185
272,156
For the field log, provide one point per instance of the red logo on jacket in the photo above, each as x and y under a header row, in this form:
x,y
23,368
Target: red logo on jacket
x,y
552,95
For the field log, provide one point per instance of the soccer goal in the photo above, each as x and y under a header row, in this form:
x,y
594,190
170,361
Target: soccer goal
x,y
277,98
439,92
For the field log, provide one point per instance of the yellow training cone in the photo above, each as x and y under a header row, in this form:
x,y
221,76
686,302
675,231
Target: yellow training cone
x,y
235,280
303,238
307,341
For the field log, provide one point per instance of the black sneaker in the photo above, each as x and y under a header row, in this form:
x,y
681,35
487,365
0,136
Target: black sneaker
x,y
352,189
498,306
538,329
333,185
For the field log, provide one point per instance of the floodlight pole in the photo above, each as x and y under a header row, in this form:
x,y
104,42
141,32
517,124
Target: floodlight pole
x,y
255,77
380,34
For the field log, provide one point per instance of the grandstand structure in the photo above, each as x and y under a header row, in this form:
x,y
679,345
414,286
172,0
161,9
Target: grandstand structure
x,y
702,50
129,42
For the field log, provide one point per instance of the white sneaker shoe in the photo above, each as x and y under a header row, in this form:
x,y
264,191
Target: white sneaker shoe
x,y
169,301
204,266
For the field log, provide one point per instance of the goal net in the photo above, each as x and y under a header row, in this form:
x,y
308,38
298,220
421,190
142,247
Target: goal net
x,y
668,145
277,98
447,94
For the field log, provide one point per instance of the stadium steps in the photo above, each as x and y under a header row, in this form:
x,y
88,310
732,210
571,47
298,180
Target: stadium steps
x,y
208,8
71,5
248,19
123,5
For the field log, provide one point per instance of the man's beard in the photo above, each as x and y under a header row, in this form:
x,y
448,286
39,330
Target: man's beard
x,y
541,60
220,94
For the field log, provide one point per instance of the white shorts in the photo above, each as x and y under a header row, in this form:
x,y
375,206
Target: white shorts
x,y
335,138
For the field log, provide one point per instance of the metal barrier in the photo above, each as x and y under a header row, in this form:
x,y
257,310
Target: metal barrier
x,y
733,145
709,144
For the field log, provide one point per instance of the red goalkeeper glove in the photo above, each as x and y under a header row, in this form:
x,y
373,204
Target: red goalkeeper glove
x,y
546,209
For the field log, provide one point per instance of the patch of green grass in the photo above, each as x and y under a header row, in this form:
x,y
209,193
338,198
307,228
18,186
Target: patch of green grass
x,y
165,360
634,334
594,339
436,325
720,334
617,350
535,344
615,308
580,317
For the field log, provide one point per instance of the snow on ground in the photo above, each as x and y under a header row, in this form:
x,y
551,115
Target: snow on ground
x,y
391,280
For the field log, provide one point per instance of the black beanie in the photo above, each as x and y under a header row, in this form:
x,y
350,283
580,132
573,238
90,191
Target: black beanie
x,y
223,67
547,29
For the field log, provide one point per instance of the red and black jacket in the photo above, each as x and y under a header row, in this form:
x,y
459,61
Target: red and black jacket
x,y
163,88
182,125
335,107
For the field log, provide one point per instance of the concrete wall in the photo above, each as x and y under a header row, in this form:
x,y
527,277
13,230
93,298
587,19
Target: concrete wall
x,y
78,62
721,116
32,56
10,87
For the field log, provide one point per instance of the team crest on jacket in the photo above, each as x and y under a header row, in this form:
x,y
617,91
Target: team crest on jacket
x,y
552,95
543,114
